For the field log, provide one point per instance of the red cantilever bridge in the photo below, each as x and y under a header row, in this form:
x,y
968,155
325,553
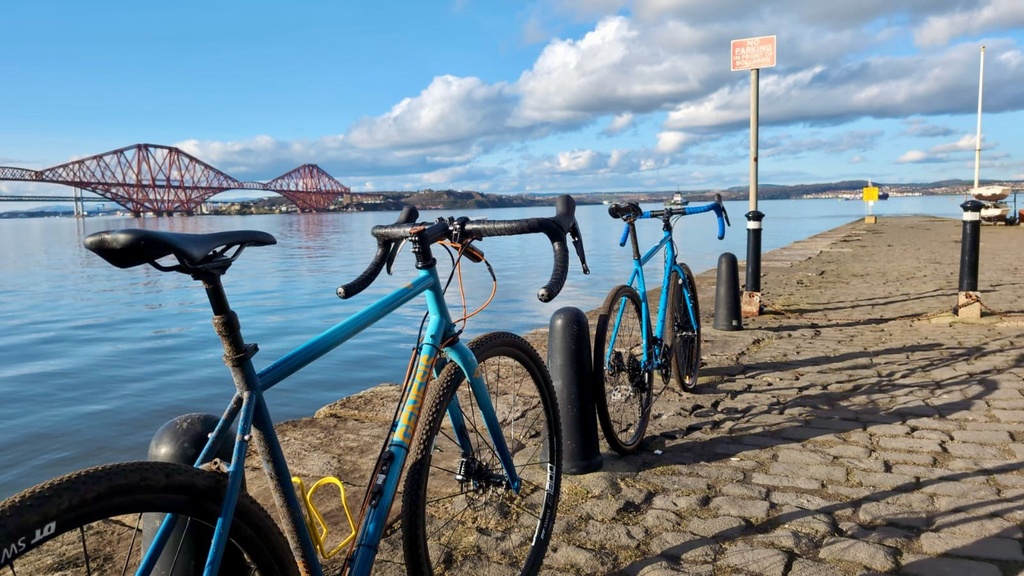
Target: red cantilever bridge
x,y
164,180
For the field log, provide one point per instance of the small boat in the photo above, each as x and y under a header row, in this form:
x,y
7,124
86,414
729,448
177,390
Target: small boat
x,y
994,212
677,200
991,193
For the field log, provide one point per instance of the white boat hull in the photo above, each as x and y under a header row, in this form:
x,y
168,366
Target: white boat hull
x,y
991,193
995,212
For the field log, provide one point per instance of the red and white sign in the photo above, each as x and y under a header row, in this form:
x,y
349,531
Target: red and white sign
x,y
750,53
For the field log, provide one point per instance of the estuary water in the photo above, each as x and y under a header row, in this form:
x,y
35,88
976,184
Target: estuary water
x,y
93,359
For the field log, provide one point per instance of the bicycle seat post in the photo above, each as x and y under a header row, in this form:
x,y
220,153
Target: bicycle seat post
x,y
633,239
236,353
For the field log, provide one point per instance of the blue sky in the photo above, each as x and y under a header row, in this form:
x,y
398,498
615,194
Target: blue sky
x,y
511,96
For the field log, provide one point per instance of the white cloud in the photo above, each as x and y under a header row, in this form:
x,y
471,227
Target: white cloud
x,y
966,142
449,110
670,142
577,160
667,60
992,15
619,124
912,156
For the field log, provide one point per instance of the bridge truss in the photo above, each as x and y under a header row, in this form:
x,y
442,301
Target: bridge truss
x,y
164,180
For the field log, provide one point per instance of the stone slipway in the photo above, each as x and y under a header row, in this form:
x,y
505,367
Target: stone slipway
x,y
855,428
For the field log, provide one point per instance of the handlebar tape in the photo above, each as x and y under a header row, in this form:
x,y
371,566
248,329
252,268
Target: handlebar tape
x,y
409,214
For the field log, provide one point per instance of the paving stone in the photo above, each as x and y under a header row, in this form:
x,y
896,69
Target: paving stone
x,y
740,507
971,546
886,535
802,456
847,451
762,561
875,513
804,501
890,430
806,521
677,502
909,444
816,471
803,567
1009,415
786,540
718,527
965,450
680,545
965,524
910,457
772,480
932,424
948,567
744,491
874,556
964,489
931,435
876,480
982,437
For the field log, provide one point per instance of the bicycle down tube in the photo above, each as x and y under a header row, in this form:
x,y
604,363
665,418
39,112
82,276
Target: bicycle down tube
x,y
254,413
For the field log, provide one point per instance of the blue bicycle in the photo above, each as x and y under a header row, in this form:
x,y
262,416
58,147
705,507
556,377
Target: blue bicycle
x,y
627,352
477,422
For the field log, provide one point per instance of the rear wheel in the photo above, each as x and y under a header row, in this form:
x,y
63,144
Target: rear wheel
x,y
682,333
625,386
459,514
91,522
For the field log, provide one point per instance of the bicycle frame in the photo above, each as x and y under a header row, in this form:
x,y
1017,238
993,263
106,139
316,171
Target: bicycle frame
x,y
636,280
249,406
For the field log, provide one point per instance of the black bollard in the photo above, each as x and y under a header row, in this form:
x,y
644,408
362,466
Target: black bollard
x,y
727,294
750,304
754,219
180,441
968,304
570,365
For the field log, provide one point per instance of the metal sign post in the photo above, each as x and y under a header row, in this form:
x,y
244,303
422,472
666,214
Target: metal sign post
x,y
753,54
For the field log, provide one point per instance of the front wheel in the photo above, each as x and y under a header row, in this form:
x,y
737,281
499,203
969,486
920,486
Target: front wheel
x,y
682,332
459,513
91,522
625,385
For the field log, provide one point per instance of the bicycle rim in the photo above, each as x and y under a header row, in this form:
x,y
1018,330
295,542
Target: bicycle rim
x,y
625,387
685,340
90,522
459,517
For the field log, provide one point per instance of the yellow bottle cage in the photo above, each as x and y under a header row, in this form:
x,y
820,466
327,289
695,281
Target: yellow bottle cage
x,y
318,531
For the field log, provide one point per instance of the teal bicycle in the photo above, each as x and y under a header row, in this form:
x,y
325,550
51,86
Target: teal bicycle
x,y
475,435
627,351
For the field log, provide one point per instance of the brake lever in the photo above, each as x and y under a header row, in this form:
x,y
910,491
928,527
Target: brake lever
x,y
577,243
725,213
396,247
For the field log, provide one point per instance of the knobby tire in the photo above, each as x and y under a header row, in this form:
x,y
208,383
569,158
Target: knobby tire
x,y
681,334
95,517
478,525
625,387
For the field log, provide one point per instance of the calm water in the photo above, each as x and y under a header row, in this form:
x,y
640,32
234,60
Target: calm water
x,y
93,359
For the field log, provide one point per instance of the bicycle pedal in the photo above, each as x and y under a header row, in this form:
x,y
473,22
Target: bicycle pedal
x,y
315,522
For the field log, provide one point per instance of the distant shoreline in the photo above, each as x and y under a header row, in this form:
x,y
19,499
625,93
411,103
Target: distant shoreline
x,y
466,199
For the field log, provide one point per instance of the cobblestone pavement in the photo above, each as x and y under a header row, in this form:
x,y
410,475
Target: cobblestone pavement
x,y
856,427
